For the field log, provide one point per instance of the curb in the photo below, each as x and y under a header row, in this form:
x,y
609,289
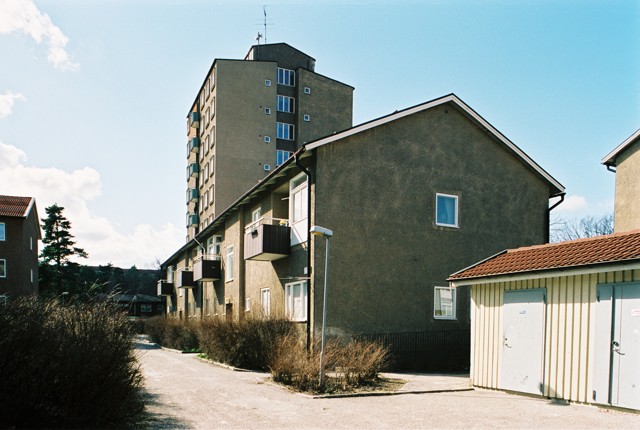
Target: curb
x,y
224,366
387,393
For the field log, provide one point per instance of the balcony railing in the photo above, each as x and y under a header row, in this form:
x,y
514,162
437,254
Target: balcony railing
x,y
165,288
194,145
207,268
184,279
267,239
194,119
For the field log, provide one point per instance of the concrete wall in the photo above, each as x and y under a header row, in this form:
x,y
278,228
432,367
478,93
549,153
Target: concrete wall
x,y
376,190
20,250
627,201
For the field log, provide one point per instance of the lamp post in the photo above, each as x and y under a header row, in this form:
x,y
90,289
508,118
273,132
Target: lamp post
x,y
321,231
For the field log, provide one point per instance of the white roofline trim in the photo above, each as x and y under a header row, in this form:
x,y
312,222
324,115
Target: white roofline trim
x,y
428,105
28,209
609,159
551,273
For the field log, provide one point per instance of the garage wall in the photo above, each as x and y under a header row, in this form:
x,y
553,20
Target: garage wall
x,y
569,320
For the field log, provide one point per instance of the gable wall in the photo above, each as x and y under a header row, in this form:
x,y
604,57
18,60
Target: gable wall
x,y
376,191
627,200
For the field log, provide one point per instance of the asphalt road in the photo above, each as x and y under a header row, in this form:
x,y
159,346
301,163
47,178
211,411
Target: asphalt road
x,y
184,392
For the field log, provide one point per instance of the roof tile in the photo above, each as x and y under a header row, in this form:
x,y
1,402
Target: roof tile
x,y
12,206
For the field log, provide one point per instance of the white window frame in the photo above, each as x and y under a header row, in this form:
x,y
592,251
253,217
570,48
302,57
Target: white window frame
x,y
267,111
286,77
286,104
293,312
265,301
306,118
298,209
455,199
285,131
256,215
438,305
267,82
247,304
3,232
267,139
307,90
228,269
282,156
3,265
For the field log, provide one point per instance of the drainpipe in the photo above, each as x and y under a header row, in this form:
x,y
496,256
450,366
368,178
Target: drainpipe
x,y
611,168
561,195
239,256
310,181
201,283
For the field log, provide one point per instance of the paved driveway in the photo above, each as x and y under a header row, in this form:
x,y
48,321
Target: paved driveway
x,y
184,392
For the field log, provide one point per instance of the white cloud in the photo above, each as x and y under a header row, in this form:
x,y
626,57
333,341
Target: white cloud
x,y
23,16
573,204
6,103
96,234
576,206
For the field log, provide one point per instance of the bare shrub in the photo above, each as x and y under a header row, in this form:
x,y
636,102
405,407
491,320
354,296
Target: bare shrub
x,y
249,343
173,333
70,366
293,365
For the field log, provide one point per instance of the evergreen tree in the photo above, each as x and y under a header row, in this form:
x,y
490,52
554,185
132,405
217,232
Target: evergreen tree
x,y
58,248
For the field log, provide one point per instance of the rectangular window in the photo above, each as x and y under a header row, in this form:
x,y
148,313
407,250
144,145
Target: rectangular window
x,y
214,247
229,265
298,211
3,233
247,304
267,82
444,303
267,139
284,131
265,301
446,210
3,268
282,156
286,104
286,77
256,215
295,305
307,118
145,308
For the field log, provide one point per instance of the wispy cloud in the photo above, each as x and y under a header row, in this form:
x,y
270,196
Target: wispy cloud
x,y
6,102
23,16
74,190
576,206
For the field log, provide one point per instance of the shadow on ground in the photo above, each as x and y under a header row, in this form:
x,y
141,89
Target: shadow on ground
x,y
150,420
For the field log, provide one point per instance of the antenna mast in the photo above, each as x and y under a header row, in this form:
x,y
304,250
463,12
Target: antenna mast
x,y
264,10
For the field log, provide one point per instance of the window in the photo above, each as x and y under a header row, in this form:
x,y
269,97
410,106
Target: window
x,y
229,265
3,268
295,301
286,77
214,246
307,118
286,104
265,301
213,107
3,233
212,81
284,131
267,139
298,199
255,215
247,304
444,303
267,82
446,210
206,172
145,308
282,156
307,90
267,111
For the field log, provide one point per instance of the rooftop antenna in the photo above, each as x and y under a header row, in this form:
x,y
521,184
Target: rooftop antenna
x,y
264,11
264,23
258,37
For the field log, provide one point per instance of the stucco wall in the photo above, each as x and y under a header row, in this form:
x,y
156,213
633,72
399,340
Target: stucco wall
x,y
627,201
20,250
376,190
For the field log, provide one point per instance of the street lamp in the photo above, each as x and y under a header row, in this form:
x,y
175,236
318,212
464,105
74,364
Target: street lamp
x,y
321,231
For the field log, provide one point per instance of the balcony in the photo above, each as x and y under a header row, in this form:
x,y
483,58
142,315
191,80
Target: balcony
x,y
267,239
184,279
192,195
194,119
192,170
192,219
165,288
193,145
207,268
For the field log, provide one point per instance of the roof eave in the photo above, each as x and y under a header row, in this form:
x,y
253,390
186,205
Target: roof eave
x,y
610,158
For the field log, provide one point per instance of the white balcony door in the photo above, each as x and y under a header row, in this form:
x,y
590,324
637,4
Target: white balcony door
x,y
298,209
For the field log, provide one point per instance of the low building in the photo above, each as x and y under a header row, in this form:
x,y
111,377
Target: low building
x,y
560,320
19,235
410,197
625,162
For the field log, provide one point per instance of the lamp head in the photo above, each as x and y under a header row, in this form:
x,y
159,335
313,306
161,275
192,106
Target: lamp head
x,y
320,231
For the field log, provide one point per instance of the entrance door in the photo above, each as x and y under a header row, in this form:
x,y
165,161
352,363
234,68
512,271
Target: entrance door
x,y
522,342
616,371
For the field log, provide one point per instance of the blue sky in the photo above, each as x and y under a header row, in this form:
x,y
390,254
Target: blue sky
x,y
94,93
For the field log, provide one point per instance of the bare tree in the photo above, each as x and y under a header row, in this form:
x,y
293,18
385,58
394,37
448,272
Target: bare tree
x,y
562,229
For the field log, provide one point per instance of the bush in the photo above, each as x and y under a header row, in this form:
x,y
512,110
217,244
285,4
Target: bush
x,y
348,366
66,366
173,333
248,344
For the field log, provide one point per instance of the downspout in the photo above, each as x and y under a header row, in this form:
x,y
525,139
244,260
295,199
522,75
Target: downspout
x,y
611,168
310,181
561,195
201,283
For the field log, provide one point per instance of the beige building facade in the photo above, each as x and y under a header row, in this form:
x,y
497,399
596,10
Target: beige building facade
x,y
249,116
625,162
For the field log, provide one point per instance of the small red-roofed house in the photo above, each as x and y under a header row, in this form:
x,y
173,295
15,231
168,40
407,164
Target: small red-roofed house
x,y
19,235
560,320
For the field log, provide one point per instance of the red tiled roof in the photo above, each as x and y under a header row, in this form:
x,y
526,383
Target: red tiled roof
x,y
612,248
12,206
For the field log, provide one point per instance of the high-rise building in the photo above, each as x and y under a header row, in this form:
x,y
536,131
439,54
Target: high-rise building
x,y
251,115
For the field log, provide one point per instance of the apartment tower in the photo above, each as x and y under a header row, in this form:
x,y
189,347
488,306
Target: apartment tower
x,y
251,115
